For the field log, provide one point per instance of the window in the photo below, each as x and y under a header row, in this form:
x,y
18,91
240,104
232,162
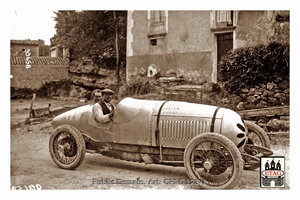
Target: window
x,y
157,23
222,19
157,16
153,42
225,17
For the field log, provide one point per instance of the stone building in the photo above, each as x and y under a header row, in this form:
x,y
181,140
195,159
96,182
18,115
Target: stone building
x,y
18,47
191,43
30,71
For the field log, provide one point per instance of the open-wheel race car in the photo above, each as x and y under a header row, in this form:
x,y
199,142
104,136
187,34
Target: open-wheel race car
x,y
214,144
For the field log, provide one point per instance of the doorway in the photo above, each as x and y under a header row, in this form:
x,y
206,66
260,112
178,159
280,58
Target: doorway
x,y
224,44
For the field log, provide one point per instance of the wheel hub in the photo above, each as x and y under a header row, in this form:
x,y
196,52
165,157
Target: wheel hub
x,y
68,147
207,165
213,161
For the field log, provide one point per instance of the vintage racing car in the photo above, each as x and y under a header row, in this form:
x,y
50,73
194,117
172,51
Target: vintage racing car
x,y
214,144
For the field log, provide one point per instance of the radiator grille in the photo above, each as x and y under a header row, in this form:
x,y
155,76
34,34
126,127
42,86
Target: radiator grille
x,y
182,130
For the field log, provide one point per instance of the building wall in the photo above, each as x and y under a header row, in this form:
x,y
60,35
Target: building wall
x,y
34,77
185,49
17,49
40,69
53,53
254,27
59,52
190,44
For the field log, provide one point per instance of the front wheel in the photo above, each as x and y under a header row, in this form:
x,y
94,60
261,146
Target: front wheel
x,y
67,147
214,161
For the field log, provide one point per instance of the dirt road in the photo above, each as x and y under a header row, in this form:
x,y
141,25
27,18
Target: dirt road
x,y
32,166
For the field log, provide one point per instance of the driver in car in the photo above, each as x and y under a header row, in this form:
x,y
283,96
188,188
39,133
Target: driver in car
x,y
103,110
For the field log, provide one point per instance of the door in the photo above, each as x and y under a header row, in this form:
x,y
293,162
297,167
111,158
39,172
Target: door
x,y
224,44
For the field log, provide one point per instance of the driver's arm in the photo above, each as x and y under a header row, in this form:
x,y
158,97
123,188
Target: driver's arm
x,y
98,114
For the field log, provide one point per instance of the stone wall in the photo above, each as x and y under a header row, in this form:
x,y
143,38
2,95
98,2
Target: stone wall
x,y
276,93
34,77
269,94
24,82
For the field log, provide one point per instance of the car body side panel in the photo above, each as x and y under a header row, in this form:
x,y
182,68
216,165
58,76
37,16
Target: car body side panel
x,y
131,124
134,127
154,122
79,118
229,127
73,117
179,122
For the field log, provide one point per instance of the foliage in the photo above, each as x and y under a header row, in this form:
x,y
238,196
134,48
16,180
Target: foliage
x,y
138,86
249,66
281,30
92,35
149,88
282,17
48,89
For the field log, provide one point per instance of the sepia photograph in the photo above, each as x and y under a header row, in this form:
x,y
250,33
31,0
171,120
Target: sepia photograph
x,y
150,99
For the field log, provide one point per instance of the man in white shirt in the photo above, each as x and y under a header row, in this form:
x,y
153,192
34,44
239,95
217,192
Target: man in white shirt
x,y
103,110
96,95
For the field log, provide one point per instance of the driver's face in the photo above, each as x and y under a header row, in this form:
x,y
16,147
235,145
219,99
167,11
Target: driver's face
x,y
107,97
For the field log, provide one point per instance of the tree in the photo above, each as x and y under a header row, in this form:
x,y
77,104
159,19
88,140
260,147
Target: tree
x,y
117,48
96,35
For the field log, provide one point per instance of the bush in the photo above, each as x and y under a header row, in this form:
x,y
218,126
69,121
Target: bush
x,y
249,66
48,89
138,86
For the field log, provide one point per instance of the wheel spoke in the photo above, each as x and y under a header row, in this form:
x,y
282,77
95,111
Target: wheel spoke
x,y
65,148
218,157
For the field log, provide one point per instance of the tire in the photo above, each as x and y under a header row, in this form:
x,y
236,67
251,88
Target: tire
x,y
67,147
215,151
257,135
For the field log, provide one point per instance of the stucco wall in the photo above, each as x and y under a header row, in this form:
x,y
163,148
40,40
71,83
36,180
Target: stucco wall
x,y
137,41
33,77
190,45
254,27
186,48
16,49
53,53
189,34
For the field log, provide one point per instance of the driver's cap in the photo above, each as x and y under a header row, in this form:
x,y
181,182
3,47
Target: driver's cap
x,y
107,91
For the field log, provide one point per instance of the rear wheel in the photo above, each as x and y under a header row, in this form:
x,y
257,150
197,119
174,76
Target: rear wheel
x,y
258,144
257,135
213,161
67,147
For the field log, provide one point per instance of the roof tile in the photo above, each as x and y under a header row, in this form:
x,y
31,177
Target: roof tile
x,y
38,60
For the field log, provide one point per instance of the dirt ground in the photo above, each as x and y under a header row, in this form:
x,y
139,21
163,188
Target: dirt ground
x,y
32,167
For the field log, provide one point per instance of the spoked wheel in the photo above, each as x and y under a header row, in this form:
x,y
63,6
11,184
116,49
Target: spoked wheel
x,y
258,145
67,147
214,161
